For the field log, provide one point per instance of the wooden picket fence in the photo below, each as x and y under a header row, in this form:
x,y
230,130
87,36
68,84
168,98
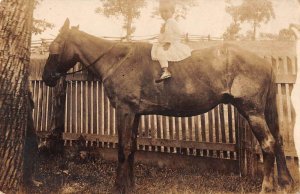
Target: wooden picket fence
x,y
90,113
220,133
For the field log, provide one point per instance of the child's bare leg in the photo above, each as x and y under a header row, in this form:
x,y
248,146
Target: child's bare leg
x,y
163,64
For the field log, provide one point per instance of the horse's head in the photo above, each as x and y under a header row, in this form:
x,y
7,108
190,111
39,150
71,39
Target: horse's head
x,y
62,56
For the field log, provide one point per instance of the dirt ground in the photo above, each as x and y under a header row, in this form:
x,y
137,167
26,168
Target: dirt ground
x,y
97,176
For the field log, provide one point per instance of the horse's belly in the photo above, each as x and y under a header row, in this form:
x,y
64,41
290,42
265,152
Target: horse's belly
x,y
179,106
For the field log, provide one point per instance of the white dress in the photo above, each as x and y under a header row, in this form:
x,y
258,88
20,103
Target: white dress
x,y
177,50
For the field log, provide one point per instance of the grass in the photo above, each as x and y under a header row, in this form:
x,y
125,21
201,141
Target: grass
x,y
97,176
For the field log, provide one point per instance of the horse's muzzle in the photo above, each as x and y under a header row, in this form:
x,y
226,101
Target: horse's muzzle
x,y
50,74
50,80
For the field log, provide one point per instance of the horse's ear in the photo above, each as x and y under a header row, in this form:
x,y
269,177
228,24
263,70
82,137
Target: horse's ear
x,y
65,26
75,27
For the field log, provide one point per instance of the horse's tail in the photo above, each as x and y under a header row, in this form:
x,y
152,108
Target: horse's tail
x,y
271,111
272,119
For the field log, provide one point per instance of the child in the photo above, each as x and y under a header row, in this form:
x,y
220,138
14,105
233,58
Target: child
x,y
169,47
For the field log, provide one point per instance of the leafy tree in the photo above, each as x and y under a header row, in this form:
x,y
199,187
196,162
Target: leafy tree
x,y
269,36
182,8
15,39
286,34
39,25
233,11
254,12
232,31
128,9
296,29
247,36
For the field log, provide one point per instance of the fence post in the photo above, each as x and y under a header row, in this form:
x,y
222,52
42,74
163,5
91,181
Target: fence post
x,y
242,149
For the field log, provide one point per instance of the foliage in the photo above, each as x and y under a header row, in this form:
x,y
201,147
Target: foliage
x,y
254,12
232,32
247,36
286,34
128,9
182,8
233,11
40,26
268,36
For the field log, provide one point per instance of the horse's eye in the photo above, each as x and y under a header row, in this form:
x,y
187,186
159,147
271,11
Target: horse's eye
x,y
54,48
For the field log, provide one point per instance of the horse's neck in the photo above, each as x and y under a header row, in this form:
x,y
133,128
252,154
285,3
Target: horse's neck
x,y
92,49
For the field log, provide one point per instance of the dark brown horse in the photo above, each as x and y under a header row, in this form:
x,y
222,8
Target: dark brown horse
x,y
221,74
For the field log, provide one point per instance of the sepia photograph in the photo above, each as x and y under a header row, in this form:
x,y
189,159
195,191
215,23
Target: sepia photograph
x,y
149,96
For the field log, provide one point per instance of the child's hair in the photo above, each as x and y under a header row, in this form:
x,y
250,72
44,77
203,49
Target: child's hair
x,y
167,5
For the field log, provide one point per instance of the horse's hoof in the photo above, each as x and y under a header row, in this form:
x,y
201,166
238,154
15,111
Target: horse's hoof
x,y
32,183
286,184
267,190
36,183
286,187
268,187
263,191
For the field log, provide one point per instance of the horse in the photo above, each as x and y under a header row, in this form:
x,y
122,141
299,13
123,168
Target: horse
x,y
214,75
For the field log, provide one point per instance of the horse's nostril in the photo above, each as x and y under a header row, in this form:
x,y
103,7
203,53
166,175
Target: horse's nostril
x,y
57,75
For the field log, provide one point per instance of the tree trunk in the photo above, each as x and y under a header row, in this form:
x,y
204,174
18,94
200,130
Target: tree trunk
x,y
129,23
129,29
15,40
254,30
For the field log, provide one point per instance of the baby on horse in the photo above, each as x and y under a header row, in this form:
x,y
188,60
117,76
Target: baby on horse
x,y
169,46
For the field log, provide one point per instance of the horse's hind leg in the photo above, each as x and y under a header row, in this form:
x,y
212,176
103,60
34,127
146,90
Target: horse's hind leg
x,y
256,119
261,131
127,124
285,179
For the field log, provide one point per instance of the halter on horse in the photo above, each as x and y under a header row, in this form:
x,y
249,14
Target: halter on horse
x,y
221,74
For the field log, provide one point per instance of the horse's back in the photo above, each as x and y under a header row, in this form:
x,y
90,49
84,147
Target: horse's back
x,y
208,74
216,66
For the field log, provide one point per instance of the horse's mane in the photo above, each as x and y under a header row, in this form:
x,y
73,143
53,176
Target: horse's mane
x,y
138,45
142,50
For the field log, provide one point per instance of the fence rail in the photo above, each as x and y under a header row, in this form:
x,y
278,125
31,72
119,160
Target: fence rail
x,y
41,46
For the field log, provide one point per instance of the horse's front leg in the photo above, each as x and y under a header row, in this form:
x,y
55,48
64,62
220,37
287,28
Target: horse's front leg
x,y
127,124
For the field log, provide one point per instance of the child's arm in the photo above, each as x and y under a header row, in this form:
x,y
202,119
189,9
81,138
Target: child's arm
x,y
163,29
167,45
166,36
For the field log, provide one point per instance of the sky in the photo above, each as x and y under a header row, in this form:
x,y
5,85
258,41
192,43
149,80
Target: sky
x,y
209,17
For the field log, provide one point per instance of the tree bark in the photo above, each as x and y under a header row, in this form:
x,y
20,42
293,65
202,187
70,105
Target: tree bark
x,y
15,40
129,22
